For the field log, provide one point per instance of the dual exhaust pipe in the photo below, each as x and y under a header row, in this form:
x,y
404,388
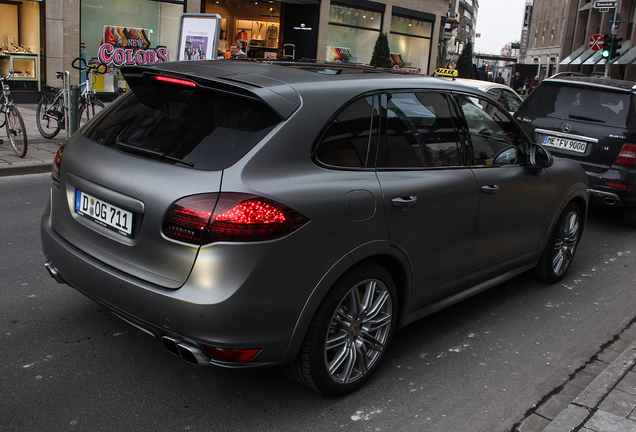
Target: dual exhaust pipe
x,y
189,353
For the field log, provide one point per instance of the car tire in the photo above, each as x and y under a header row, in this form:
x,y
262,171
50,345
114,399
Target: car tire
x,y
629,216
559,252
349,333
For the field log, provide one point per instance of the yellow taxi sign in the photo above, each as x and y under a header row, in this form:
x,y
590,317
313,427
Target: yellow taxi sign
x,y
446,72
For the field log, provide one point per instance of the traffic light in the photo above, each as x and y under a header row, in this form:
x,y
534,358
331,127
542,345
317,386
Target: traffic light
x,y
611,46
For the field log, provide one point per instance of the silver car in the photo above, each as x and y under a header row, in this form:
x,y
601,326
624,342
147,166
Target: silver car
x,y
250,214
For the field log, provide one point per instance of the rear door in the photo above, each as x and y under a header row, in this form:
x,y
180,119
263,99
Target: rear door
x,y
430,196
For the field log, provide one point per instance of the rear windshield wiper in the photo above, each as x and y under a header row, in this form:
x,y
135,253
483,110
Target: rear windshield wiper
x,y
134,149
578,117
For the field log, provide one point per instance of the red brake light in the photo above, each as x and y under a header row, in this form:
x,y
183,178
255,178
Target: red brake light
x,y
57,162
176,81
627,155
235,356
208,218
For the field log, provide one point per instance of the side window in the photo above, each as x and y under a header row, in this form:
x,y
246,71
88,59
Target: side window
x,y
513,100
347,141
498,96
495,139
418,131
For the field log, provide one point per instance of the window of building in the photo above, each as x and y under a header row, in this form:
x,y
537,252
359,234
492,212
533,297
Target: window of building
x,y
143,25
410,39
352,34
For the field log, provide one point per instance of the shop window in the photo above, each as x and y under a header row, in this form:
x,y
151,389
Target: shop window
x,y
20,43
143,25
352,34
410,42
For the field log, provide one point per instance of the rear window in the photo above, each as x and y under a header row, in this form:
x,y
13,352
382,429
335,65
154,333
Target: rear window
x,y
194,127
579,103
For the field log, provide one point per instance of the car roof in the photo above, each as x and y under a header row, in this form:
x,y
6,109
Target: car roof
x,y
281,84
480,84
606,83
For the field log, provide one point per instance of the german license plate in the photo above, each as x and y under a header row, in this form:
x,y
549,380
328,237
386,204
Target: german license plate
x,y
564,144
104,213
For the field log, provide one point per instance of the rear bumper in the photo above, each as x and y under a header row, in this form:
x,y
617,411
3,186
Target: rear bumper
x,y
602,193
235,298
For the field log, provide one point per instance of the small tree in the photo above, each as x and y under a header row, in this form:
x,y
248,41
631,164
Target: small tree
x,y
381,53
465,67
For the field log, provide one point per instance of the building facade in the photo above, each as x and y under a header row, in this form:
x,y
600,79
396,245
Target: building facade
x,y
459,29
42,37
546,31
585,21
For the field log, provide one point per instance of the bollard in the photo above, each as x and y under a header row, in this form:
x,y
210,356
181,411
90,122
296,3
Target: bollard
x,y
74,119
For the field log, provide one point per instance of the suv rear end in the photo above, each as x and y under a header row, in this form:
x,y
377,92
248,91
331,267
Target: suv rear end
x,y
591,121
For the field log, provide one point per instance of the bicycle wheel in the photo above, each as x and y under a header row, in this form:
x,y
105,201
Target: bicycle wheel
x,y
89,108
16,131
50,115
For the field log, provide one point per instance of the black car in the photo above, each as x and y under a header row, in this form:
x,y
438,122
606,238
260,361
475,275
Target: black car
x,y
592,121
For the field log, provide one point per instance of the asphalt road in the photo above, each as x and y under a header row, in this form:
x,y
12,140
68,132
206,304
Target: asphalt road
x,y
68,365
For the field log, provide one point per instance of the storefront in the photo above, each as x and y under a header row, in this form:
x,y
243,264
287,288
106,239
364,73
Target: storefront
x,y
353,31
128,32
410,39
253,24
21,43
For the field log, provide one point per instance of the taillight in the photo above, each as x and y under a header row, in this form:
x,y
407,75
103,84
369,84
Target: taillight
x,y
627,155
57,162
208,218
231,355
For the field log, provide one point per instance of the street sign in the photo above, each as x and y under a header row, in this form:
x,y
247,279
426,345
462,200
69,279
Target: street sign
x,y
596,42
605,4
603,10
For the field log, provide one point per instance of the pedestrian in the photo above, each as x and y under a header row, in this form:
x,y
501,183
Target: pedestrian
x,y
500,79
237,52
516,83
533,83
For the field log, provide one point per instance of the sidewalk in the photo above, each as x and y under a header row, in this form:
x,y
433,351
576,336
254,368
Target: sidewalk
x,y
40,151
599,397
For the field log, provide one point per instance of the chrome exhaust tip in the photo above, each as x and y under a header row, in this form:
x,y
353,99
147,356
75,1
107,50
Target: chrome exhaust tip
x,y
188,353
53,273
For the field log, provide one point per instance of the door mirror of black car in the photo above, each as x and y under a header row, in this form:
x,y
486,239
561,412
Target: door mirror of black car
x,y
540,157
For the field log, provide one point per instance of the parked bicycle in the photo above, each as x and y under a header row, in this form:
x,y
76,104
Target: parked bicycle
x,y
12,119
51,109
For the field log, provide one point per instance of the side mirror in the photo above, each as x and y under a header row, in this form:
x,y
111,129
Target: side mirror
x,y
540,157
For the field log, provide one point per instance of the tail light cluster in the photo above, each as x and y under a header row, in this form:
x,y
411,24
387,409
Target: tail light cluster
x,y
208,218
627,155
57,163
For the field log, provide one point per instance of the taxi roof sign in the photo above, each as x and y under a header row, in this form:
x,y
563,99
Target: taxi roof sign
x,y
446,72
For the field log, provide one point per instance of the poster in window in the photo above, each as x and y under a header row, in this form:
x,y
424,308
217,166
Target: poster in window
x,y
199,36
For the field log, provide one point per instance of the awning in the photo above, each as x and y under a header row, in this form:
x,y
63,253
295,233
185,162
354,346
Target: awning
x,y
586,7
580,59
566,61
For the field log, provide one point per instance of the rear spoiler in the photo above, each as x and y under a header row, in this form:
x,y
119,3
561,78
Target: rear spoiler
x,y
279,96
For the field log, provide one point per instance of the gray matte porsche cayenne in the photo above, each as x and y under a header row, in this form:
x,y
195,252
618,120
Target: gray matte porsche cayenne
x,y
250,214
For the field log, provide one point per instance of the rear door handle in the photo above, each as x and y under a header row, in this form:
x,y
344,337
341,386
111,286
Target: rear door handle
x,y
404,202
490,189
